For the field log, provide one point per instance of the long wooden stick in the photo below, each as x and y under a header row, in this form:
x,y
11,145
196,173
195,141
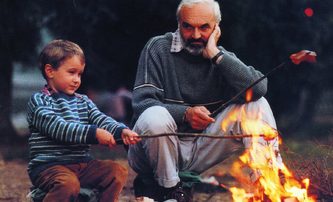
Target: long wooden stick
x,y
209,135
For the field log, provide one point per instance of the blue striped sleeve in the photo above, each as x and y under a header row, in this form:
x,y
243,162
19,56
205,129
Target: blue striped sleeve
x,y
103,121
42,117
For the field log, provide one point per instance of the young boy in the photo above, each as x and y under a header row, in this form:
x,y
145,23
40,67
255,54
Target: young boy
x,y
63,124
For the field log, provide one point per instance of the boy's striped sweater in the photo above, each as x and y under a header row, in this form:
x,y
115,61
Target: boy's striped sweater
x,y
62,128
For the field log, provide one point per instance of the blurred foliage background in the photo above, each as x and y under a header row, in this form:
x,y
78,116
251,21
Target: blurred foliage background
x,y
112,33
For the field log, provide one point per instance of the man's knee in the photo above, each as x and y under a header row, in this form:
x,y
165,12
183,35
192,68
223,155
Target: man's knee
x,y
262,109
233,117
261,103
155,120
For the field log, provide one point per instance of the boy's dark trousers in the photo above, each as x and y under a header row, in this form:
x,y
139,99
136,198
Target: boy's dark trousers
x,y
63,182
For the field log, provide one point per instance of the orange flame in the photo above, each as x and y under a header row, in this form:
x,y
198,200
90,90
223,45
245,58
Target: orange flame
x,y
262,160
249,124
249,95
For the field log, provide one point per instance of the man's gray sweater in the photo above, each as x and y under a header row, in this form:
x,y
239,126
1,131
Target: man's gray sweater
x,y
177,80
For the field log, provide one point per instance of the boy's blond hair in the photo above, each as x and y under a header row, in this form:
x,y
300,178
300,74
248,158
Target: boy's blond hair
x,y
56,52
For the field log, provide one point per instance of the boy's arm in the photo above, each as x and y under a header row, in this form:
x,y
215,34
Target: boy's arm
x,y
119,130
96,117
41,117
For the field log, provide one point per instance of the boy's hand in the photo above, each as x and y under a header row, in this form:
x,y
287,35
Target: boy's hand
x,y
104,137
211,48
130,137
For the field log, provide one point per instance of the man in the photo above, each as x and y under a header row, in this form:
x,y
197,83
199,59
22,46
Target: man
x,y
182,77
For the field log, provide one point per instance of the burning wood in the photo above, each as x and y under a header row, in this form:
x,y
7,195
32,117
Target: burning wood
x,y
262,158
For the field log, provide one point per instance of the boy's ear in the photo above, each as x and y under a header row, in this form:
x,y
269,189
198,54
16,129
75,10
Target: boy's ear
x,y
48,71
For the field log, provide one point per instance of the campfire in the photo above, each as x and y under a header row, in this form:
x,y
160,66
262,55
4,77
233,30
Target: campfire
x,y
270,179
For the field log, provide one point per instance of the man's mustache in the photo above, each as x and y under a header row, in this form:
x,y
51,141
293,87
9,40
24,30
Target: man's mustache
x,y
190,41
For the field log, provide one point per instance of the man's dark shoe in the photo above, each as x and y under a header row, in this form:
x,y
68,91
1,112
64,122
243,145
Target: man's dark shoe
x,y
179,193
147,187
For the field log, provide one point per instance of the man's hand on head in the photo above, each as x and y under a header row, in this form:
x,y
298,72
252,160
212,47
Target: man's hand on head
x,y
211,48
198,117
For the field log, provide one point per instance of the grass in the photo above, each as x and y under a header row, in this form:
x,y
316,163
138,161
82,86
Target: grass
x,y
311,159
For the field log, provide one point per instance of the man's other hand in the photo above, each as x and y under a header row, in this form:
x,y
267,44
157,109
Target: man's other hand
x,y
198,117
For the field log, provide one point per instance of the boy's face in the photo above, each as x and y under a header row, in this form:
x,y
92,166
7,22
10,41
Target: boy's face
x,y
67,78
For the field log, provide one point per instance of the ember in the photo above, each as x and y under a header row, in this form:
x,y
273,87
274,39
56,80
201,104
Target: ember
x,y
248,95
308,12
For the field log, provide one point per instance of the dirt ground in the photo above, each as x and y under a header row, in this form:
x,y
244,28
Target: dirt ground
x,y
15,183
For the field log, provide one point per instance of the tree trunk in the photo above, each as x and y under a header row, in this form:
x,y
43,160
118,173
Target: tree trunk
x,y
8,132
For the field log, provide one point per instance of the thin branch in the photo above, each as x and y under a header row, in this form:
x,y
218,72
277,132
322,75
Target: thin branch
x,y
209,135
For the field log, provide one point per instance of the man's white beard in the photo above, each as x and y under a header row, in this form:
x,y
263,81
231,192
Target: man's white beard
x,y
191,49
194,50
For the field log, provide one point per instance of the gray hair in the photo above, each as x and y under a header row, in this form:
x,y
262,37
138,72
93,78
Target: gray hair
x,y
212,3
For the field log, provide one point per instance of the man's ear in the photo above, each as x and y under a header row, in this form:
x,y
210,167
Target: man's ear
x,y
49,71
